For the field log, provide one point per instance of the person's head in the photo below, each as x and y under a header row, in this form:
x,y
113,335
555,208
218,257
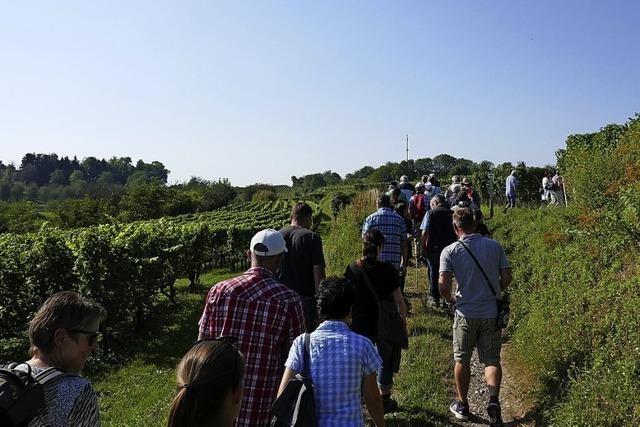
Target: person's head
x,y
463,196
428,187
384,201
424,178
335,298
432,180
400,208
513,172
301,214
372,242
395,196
466,182
404,179
392,185
267,249
463,222
437,200
210,385
455,179
420,187
65,330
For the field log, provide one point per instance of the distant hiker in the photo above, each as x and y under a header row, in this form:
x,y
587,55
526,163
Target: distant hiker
x,y
437,233
557,189
364,316
434,181
342,363
475,309
265,315
401,209
209,380
454,187
406,187
394,229
429,192
473,195
452,200
395,194
435,184
511,184
63,333
547,185
419,204
303,267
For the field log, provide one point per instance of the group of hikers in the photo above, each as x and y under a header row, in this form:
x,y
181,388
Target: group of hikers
x,y
283,319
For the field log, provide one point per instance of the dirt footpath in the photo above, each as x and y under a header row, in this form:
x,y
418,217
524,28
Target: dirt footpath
x,y
515,411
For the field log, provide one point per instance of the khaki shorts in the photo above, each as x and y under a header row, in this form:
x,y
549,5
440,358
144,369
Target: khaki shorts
x,y
480,333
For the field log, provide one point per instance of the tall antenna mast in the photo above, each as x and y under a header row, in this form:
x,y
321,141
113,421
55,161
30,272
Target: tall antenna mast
x,y
407,147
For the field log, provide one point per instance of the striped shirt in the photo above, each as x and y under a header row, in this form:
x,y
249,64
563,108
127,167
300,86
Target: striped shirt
x,y
340,359
266,316
69,401
394,230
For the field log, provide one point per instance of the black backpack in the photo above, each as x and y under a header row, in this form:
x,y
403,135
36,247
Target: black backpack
x,y
22,393
296,406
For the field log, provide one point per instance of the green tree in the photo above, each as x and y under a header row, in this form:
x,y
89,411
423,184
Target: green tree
x,y
57,178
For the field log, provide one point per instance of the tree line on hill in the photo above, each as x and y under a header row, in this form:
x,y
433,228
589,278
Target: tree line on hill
x,y
70,193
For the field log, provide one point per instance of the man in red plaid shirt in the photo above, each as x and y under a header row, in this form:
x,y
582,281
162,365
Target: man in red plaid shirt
x,y
264,315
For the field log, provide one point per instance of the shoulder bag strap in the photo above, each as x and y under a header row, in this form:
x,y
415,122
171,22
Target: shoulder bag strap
x,y
367,281
307,356
479,266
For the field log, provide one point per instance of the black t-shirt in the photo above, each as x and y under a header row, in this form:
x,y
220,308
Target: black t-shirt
x,y
384,279
441,233
304,250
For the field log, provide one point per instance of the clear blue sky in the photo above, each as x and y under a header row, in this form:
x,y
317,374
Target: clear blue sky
x,y
262,90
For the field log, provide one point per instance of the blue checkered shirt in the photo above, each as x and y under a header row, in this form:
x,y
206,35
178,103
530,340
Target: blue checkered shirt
x,y
339,361
394,230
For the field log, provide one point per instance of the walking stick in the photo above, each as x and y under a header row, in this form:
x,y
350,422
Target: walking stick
x,y
415,247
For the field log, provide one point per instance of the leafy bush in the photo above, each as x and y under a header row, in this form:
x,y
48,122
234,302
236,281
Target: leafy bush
x,y
575,308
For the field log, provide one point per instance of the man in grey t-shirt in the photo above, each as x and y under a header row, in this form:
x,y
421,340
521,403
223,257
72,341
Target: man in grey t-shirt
x,y
475,305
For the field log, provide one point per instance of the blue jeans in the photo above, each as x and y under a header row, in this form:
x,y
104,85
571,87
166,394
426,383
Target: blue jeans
x,y
433,260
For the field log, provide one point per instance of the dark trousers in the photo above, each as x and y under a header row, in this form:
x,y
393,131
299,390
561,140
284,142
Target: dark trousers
x,y
309,309
433,261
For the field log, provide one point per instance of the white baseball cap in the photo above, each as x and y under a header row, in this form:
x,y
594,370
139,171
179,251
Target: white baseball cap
x,y
268,242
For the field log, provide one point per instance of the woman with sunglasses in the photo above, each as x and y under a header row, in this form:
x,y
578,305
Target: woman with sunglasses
x,y
210,385
63,333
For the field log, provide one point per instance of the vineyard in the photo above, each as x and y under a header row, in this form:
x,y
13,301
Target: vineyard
x,y
125,266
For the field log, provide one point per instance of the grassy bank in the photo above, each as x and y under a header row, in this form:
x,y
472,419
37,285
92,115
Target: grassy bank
x,y
576,316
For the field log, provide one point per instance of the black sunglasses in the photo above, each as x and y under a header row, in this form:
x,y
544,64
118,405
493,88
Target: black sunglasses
x,y
92,335
233,343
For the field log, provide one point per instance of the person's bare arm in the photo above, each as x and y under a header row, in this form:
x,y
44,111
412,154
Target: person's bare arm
x,y
318,275
505,278
373,400
399,300
444,283
288,374
424,238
